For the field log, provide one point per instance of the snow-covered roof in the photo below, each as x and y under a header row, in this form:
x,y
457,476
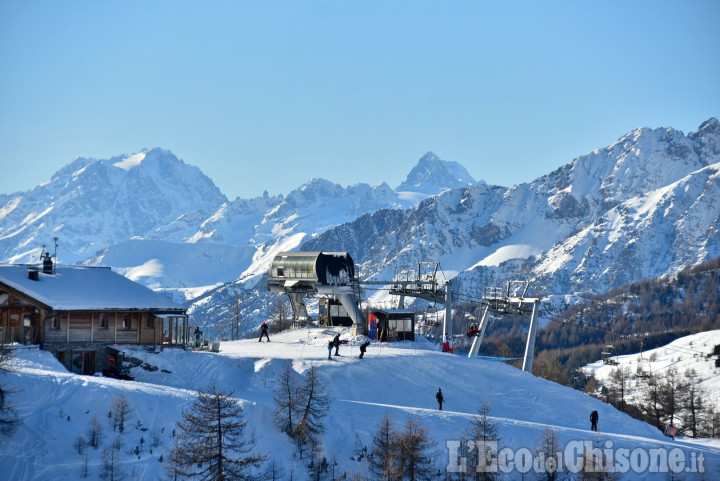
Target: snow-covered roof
x,y
85,288
395,311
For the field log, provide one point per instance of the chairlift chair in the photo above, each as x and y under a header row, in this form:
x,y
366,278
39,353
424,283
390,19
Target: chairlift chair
x,y
472,330
608,354
643,368
430,316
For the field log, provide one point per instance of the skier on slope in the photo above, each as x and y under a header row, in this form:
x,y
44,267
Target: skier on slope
x,y
264,332
363,347
440,399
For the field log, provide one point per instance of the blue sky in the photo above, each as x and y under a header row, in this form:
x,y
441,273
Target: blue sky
x,y
266,95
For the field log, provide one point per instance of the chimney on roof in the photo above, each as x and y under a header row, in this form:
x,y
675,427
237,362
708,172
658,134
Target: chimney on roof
x,y
47,264
33,274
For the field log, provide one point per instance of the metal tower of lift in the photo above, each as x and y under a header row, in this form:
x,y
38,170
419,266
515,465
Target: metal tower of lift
x,y
510,302
426,285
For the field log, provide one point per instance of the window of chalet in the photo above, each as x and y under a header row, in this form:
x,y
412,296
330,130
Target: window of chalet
x,y
102,322
126,322
148,321
20,302
54,322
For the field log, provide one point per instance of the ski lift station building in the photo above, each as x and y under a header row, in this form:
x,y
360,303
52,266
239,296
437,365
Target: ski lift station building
x,y
392,325
301,274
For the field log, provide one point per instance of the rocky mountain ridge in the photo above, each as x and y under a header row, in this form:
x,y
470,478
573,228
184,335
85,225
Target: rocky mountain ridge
x,y
645,206
163,223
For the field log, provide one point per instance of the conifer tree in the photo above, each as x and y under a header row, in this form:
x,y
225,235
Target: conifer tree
x,y
465,451
596,466
484,433
211,442
318,466
672,389
274,471
80,443
111,470
416,452
94,432
121,413
547,450
384,455
301,408
314,403
618,383
711,424
287,400
694,405
652,398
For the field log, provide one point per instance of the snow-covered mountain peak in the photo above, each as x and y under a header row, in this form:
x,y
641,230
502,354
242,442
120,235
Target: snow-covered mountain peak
x,y
642,207
709,127
90,204
642,160
130,161
433,175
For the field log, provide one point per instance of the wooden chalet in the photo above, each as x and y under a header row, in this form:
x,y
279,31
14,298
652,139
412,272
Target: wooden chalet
x,y
83,314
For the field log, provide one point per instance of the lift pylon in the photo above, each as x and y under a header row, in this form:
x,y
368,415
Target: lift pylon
x,y
502,303
426,285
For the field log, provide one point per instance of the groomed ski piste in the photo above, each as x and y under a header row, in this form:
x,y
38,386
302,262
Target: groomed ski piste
x,y
399,379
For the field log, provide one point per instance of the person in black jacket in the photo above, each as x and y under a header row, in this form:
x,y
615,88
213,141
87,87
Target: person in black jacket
x,y
440,398
264,332
336,343
593,420
363,347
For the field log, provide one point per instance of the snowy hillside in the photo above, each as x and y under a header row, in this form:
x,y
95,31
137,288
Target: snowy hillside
x,y
398,379
158,264
689,352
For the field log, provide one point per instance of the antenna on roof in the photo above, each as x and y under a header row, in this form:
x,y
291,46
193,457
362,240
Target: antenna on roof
x,y
55,240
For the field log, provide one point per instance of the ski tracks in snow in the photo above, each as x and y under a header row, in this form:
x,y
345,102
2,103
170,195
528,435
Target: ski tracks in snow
x,y
568,431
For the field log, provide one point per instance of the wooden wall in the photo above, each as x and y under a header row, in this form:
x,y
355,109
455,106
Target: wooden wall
x,y
86,326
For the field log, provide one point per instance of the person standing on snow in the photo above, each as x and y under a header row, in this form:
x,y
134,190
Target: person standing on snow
x,y
331,343
336,343
593,420
264,332
440,399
